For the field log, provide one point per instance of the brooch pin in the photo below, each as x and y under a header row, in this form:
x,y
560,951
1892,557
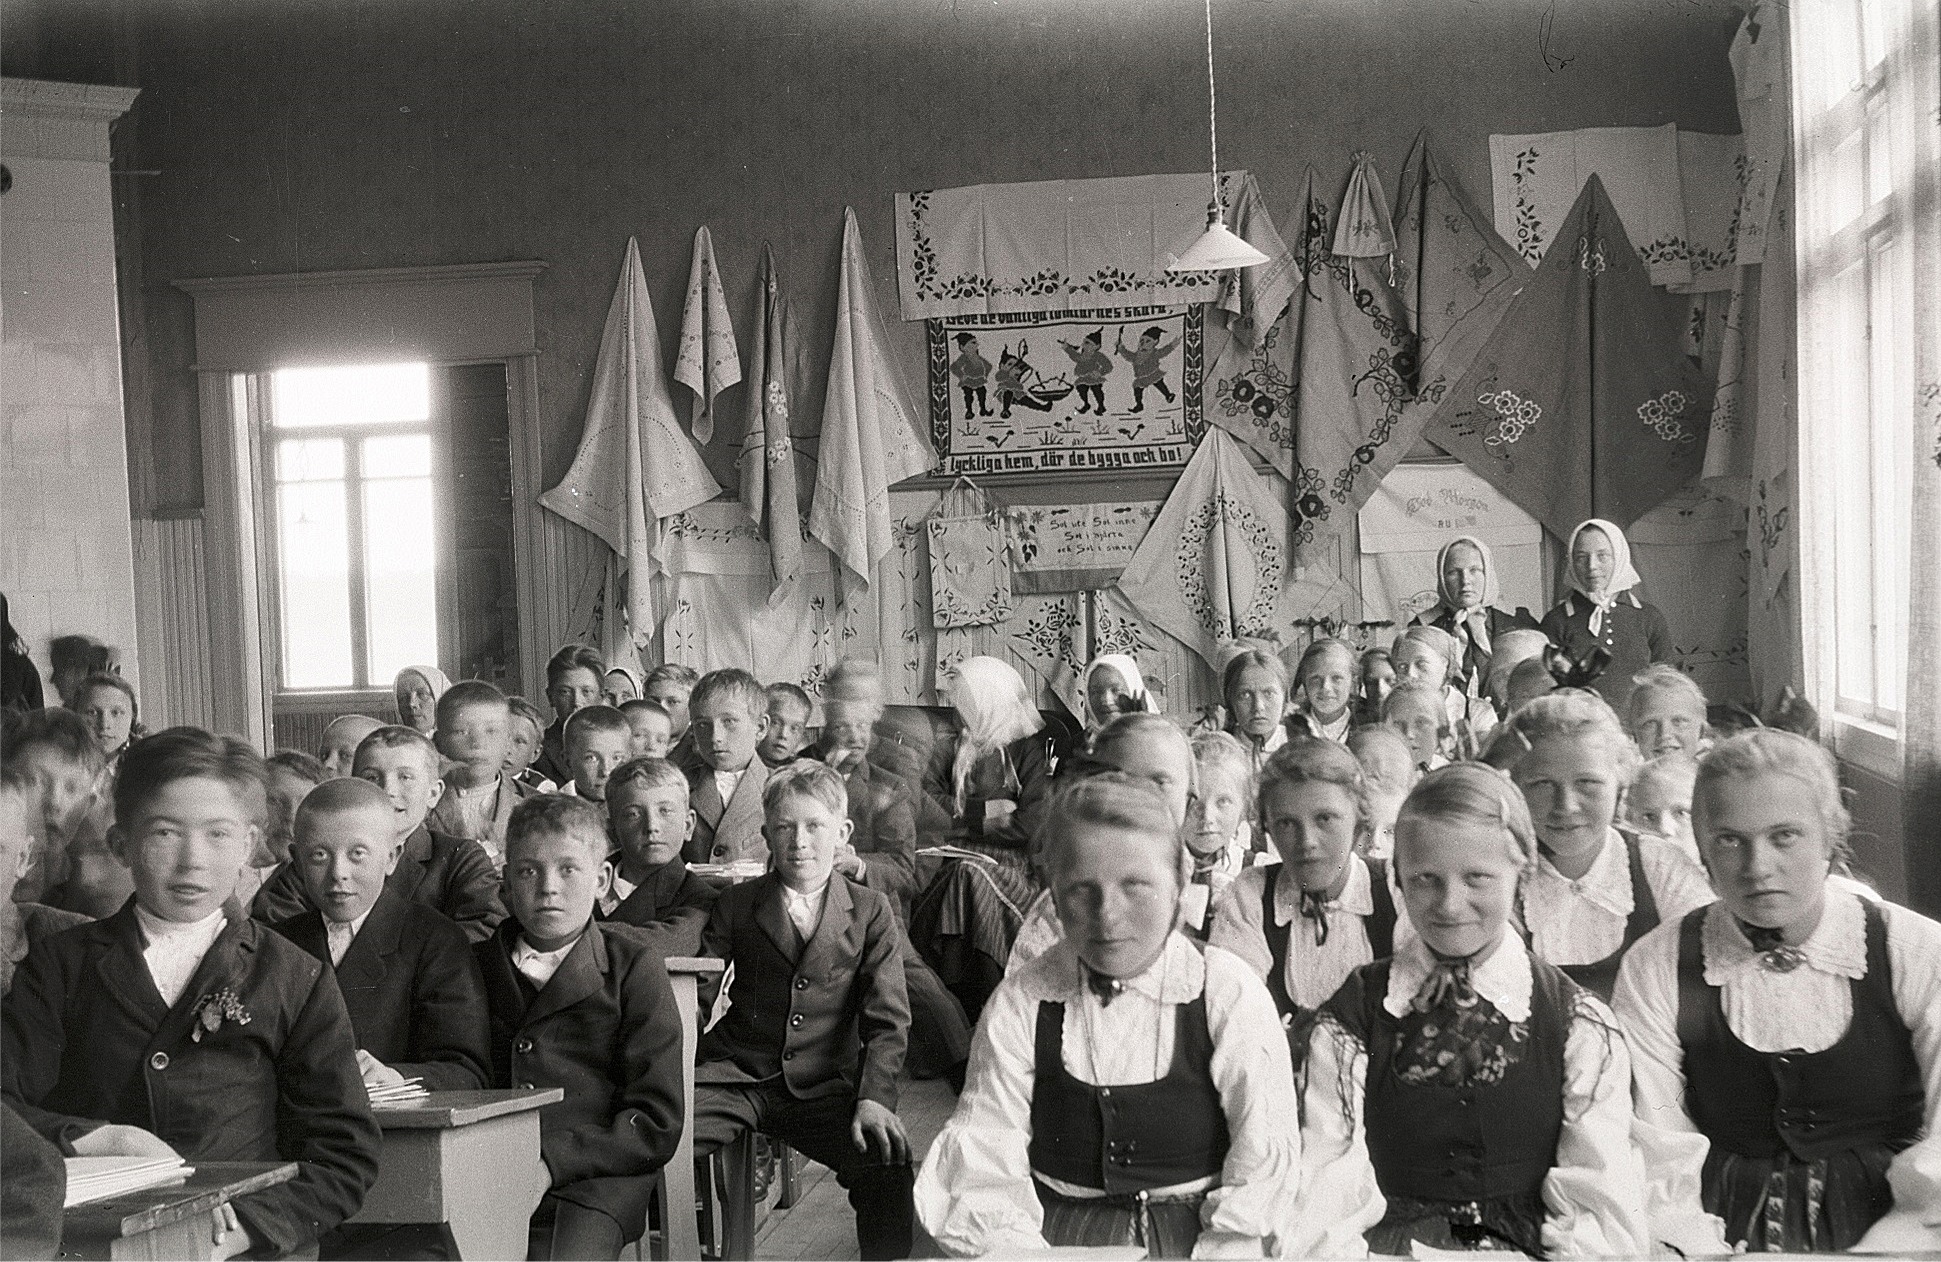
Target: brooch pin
x,y
1783,959
215,1008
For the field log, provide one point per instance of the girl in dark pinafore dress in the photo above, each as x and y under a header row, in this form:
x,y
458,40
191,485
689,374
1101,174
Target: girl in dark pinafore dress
x,y
1464,1094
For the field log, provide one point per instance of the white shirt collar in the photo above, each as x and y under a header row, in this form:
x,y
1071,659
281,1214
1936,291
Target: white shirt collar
x,y
1607,884
178,934
1837,947
1357,896
1177,976
338,935
726,782
539,966
1503,979
621,890
798,898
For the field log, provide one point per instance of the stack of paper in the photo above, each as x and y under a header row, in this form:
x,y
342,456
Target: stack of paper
x,y
97,1178
396,1093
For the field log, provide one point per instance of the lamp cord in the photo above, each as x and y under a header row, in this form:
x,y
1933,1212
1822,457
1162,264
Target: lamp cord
x,y
1212,105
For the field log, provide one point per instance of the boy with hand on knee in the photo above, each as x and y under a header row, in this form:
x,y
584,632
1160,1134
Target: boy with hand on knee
x,y
178,1026
584,1006
819,1017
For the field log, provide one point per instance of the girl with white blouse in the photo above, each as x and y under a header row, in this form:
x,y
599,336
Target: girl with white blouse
x,y
1126,1087
1787,1037
1466,1095
1307,922
1598,887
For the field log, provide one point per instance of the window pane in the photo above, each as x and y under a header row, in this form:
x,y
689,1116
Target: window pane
x,y
1892,472
1852,458
400,574
309,460
406,456
313,535
373,394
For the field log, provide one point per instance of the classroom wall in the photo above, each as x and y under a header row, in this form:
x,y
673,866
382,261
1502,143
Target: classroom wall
x,y
279,136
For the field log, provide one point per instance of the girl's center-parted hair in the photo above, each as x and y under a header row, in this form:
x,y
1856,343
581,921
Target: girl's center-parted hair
x,y
1320,649
1250,659
1125,728
1114,800
1571,713
1472,792
1310,760
1767,751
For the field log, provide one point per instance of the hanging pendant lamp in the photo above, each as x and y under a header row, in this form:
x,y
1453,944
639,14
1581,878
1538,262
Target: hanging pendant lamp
x,y
1218,248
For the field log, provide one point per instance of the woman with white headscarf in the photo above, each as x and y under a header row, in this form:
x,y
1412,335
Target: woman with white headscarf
x,y
995,784
1603,611
1114,686
416,691
1466,590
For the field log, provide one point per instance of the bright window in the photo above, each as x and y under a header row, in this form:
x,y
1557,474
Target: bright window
x,y
349,457
1856,302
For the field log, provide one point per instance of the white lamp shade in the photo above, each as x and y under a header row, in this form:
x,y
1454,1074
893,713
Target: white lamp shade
x,y
1217,250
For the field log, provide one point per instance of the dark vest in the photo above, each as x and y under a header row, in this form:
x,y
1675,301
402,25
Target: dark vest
x,y
1129,1139
1865,1089
1378,924
1601,978
1471,1144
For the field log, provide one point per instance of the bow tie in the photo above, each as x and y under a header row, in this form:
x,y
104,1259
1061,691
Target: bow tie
x,y
1449,980
1314,907
1106,988
1770,945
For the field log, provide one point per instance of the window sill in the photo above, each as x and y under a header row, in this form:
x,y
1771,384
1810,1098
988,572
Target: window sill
x,y
1874,747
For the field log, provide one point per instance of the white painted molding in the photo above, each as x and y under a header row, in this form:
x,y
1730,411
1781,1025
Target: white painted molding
x,y
40,118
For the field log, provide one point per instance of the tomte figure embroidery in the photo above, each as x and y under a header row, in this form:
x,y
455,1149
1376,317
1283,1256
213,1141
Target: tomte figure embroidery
x,y
215,1008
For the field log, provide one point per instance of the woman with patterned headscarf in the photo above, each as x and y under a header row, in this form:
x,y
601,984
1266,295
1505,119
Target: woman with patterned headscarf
x,y
1603,611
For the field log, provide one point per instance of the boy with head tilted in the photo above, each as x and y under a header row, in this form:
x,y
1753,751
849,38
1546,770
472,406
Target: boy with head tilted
x,y
178,1026
584,1006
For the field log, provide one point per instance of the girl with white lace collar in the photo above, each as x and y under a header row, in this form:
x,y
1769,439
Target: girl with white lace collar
x,y
1598,887
1603,610
1126,1087
1254,687
1788,1037
1323,911
1465,1094
1325,683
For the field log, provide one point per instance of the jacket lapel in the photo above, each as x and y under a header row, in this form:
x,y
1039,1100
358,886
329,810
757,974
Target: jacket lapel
x,y
369,956
410,873
747,802
581,973
122,971
832,932
707,801
773,917
223,967
655,892
503,993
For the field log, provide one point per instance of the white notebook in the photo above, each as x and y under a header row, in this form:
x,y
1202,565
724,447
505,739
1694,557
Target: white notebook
x,y
97,1178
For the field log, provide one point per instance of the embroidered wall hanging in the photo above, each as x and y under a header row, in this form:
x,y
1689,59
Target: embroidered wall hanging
x,y
1075,547
970,566
1420,507
1069,392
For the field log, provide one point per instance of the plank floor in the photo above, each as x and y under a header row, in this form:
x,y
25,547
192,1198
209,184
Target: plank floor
x,y
821,1224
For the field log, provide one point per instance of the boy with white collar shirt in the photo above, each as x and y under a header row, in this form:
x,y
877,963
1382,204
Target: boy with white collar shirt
x,y
811,1046
729,711
177,1026
475,736
416,1001
585,1007
648,815
598,739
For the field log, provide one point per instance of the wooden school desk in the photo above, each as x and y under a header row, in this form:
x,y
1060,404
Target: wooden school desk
x,y
680,1233
171,1221
466,1160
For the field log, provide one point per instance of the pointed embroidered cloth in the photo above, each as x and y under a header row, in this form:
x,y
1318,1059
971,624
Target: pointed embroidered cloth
x,y
1583,404
708,361
634,465
1537,178
767,450
1363,229
870,432
1216,564
1252,298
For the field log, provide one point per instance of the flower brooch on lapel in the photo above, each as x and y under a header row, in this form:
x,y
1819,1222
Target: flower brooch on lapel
x,y
215,1008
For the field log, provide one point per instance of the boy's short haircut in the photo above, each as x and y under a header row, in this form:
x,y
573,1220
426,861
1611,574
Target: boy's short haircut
x,y
468,692
557,815
524,709
107,679
1431,697
686,676
736,685
335,797
574,657
592,719
63,731
299,764
646,773
182,753
795,697
398,736
641,705
807,778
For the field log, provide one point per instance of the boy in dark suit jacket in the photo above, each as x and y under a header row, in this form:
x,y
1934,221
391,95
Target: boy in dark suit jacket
x,y
813,1040
586,1007
413,990
653,891
725,778
177,1025
450,875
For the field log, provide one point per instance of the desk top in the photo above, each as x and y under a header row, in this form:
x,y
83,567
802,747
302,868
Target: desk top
x,y
694,965
213,1183
443,1110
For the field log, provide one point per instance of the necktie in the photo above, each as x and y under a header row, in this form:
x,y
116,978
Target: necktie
x,y
1314,908
1106,988
1771,946
1449,980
